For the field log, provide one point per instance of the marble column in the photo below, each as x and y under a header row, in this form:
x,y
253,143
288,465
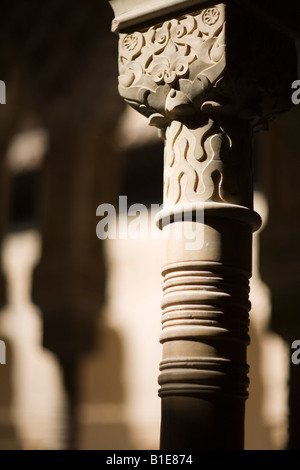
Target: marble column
x,y
206,78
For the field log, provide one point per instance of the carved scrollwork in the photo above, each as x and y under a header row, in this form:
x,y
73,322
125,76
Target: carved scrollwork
x,y
181,70
167,71
210,163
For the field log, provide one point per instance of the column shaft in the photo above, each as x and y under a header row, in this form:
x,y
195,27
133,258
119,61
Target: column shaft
x,y
208,222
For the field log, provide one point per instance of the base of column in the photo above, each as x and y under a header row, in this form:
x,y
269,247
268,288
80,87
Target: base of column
x,y
214,423
205,321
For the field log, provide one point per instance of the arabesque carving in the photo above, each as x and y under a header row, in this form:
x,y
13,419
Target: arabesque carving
x,y
168,71
207,163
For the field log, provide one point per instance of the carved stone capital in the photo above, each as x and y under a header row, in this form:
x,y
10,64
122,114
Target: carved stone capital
x,y
167,72
208,62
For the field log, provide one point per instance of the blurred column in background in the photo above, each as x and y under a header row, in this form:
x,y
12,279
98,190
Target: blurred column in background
x,y
81,170
57,58
280,250
69,282
9,116
32,373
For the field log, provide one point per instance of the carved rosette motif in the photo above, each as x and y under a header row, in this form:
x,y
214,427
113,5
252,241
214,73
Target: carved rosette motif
x,y
168,71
